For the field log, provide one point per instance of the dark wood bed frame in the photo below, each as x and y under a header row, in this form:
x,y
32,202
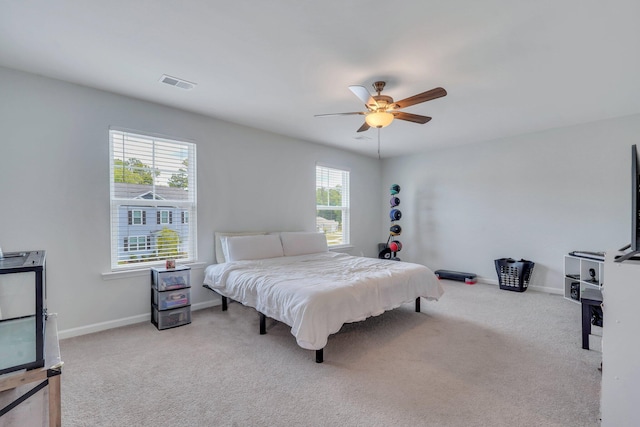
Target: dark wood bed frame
x,y
263,320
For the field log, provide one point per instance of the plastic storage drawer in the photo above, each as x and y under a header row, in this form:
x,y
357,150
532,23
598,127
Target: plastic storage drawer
x,y
164,280
171,299
171,318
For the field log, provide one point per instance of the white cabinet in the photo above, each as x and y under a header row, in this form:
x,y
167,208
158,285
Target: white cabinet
x,y
620,345
581,273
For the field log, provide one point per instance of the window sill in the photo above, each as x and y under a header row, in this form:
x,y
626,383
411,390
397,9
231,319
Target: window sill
x,y
125,274
341,248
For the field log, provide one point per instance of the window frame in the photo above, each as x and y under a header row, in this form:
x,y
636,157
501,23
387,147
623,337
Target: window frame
x,y
345,205
156,150
161,215
134,218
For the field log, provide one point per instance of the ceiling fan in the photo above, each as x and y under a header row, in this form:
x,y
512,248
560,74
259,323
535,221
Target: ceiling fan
x,y
382,109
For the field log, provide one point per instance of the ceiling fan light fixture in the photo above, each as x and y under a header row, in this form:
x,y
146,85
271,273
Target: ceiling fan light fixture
x,y
378,119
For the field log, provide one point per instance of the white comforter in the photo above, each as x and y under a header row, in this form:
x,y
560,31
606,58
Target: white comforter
x,y
316,294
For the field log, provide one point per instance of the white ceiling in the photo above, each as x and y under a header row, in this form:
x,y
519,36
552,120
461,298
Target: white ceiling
x,y
510,66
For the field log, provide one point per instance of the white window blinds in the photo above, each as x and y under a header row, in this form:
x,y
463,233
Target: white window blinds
x,y
332,204
153,200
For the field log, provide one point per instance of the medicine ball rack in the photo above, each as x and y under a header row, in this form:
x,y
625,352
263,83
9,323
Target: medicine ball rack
x,y
392,247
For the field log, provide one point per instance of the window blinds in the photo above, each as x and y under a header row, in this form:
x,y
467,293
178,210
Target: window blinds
x,y
153,199
332,204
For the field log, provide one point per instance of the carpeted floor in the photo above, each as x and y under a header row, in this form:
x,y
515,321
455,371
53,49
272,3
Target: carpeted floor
x,y
478,357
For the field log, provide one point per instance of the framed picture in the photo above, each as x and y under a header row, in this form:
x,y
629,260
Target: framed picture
x,y
170,264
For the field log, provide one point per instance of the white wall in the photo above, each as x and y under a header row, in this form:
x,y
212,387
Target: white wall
x,y
54,190
535,196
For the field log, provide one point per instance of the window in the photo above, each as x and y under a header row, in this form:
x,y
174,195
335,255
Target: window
x,y
152,180
137,243
332,204
136,217
165,217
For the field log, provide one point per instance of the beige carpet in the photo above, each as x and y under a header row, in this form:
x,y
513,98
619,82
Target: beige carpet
x,y
479,357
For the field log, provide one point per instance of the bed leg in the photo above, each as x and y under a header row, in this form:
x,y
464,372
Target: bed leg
x,y
418,305
263,324
320,355
224,303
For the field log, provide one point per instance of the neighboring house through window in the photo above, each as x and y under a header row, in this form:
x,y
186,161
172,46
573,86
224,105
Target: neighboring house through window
x,y
332,204
153,181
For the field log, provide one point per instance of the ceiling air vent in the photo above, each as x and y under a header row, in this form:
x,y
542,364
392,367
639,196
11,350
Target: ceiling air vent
x,y
174,81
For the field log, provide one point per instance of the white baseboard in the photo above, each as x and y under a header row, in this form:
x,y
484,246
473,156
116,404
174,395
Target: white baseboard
x,y
97,327
103,326
546,289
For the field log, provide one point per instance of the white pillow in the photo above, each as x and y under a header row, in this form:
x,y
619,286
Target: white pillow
x,y
301,243
220,251
240,248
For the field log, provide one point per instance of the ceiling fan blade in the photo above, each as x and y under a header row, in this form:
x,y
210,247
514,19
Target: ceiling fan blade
x,y
364,127
421,97
364,95
360,113
415,118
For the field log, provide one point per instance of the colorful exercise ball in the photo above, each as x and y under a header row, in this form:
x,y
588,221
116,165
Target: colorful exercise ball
x,y
395,214
395,246
395,230
395,201
395,189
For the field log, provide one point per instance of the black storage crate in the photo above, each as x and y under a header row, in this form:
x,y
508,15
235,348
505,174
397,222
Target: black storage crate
x,y
514,275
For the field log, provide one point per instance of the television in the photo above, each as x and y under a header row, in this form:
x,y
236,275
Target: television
x,y
633,249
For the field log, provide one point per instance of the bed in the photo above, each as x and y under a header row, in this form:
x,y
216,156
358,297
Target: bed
x,y
293,278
